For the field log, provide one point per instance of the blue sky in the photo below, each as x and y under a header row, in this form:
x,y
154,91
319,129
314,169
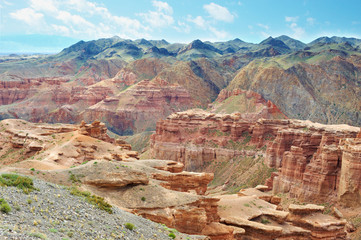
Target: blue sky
x,y
50,25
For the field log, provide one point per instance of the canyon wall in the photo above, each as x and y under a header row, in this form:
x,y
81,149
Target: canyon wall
x,y
315,162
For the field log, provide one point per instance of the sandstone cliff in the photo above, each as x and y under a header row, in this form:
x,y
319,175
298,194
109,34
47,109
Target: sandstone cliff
x,y
314,160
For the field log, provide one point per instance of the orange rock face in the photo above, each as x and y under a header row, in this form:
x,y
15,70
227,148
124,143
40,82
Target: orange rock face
x,y
196,137
312,162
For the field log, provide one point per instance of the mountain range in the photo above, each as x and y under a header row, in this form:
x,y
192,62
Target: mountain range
x,y
104,78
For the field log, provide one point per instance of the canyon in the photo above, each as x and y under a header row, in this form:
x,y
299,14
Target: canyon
x,y
313,162
84,156
244,134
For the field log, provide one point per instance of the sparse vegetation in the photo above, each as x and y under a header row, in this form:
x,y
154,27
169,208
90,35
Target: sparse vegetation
x,y
4,206
74,178
97,201
129,226
24,183
172,235
143,199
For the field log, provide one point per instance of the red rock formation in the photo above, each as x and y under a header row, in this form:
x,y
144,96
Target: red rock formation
x,y
185,181
309,160
138,108
308,155
196,137
349,188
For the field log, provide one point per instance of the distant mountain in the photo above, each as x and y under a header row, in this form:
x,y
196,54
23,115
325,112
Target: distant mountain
x,y
277,44
320,83
353,41
88,72
231,46
197,49
292,43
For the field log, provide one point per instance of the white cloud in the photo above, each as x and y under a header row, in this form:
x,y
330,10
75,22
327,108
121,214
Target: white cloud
x,y
27,15
218,12
298,32
163,6
220,35
263,26
69,18
47,6
162,17
182,27
60,29
311,20
85,6
198,21
291,19
77,18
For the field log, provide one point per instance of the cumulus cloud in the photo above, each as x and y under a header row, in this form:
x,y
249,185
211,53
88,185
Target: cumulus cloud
x,y
77,18
162,17
71,19
48,6
27,15
163,7
198,21
218,12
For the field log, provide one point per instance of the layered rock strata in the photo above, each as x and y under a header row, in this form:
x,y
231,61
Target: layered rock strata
x,y
314,160
140,107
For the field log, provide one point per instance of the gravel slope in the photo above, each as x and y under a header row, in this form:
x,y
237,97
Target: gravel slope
x,y
53,213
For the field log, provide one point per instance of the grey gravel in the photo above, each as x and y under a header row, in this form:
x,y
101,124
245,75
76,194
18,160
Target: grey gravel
x,y
53,213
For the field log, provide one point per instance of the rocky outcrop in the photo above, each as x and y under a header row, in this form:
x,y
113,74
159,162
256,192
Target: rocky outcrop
x,y
95,130
349,188
261,219
196,137
310,160
314,160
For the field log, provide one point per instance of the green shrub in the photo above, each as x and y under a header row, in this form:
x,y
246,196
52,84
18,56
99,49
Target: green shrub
x,y
4,206
129,226
73,178
97,201
172,235
143,199
24,183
